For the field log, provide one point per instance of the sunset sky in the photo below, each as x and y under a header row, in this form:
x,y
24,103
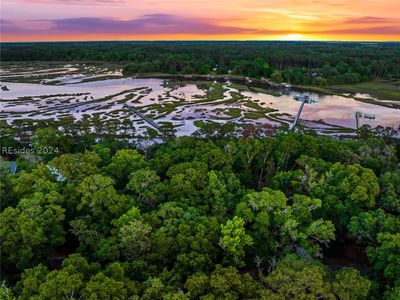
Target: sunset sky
x,y
78,20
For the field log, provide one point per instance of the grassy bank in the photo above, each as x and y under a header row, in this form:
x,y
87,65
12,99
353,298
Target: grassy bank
x,y
380,89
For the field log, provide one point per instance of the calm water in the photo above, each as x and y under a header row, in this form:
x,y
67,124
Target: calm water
x,y
332,109
62,99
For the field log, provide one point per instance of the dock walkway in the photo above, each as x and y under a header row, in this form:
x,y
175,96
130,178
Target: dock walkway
x,y
143,117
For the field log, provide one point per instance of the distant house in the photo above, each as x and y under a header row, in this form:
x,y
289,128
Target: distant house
x,y
54,171
8,167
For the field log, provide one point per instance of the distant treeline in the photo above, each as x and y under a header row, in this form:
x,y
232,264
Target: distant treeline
x,y
315,63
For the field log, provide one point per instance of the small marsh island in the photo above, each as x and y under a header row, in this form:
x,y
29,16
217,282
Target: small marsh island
x,y
77,91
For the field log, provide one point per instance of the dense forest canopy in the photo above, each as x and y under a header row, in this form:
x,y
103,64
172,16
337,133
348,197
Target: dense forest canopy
x,y
99,210
211,217
316,63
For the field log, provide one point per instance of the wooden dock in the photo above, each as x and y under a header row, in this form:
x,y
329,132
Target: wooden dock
x,y
142,116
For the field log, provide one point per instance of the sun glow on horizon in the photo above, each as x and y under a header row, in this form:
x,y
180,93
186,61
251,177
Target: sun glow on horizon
x,y
293,37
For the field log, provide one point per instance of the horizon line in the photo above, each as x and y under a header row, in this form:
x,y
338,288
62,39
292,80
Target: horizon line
x,y
252,40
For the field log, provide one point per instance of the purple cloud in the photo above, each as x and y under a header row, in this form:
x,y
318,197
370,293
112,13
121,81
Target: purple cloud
x,y
5,22
383,30
144,25
9,27
367,20
147,24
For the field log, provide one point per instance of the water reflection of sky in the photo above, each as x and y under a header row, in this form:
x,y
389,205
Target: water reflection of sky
x,y
332,109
